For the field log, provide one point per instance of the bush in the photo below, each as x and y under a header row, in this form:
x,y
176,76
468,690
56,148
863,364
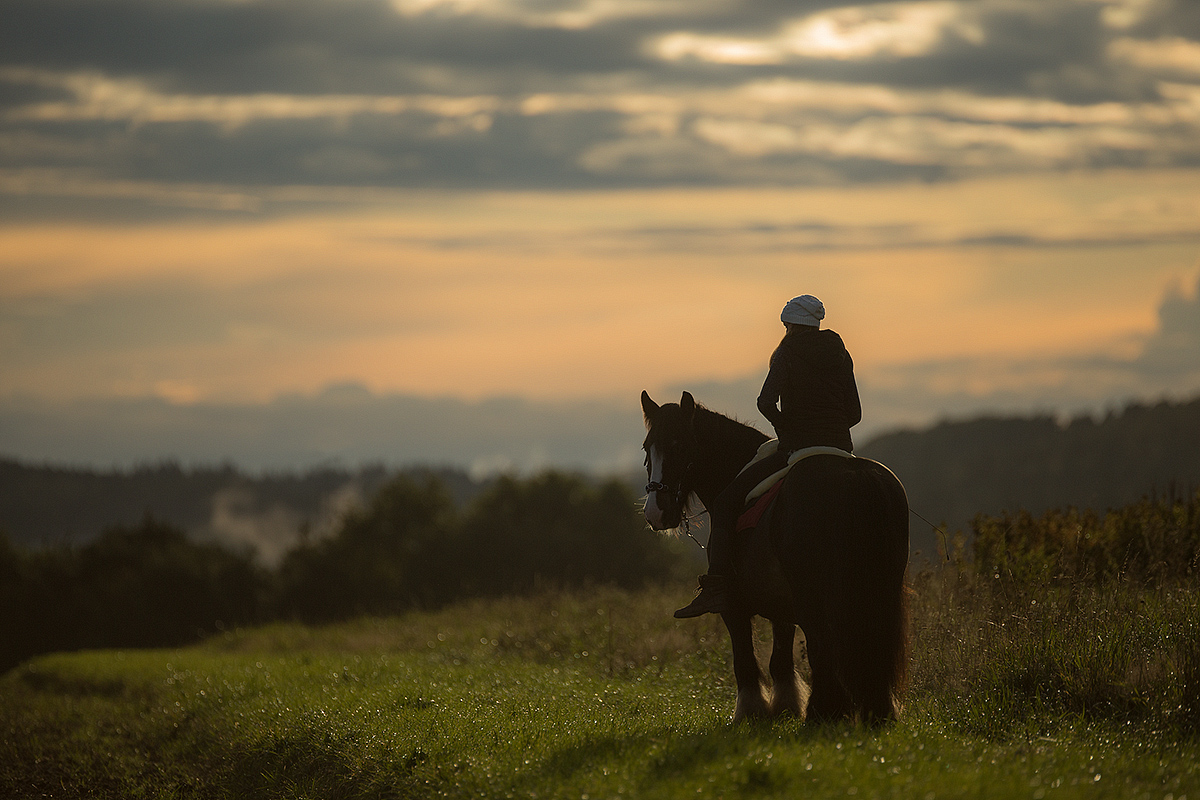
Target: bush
x,y
151,586
1154,541
132,587
1076,614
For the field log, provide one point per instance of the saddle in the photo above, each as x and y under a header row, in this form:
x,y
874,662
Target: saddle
x,y
759,499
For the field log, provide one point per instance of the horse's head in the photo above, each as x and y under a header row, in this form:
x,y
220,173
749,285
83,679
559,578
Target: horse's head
x,y
670,450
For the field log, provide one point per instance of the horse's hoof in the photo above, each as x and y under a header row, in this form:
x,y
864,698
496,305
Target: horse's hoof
x,y
750,705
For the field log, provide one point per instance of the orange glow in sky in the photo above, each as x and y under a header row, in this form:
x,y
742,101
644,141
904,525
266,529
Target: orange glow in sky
x,y
556,295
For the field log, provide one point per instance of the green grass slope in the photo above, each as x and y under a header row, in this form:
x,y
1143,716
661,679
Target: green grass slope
x,y
600,694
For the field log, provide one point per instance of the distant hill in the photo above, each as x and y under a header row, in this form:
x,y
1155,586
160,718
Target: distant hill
x,y
958,469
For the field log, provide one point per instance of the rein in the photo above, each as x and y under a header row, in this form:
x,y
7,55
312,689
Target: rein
x,y
687,528
941,532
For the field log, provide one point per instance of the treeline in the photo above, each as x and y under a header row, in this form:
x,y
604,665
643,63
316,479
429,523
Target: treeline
x,y
956,470
410,547
43,505
951,471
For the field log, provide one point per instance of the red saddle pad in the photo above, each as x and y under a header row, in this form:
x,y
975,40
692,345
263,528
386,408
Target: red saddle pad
x,y
750,517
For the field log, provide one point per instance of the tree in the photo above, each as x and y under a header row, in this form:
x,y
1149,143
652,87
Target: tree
x,y
149,585
143,586
558,529
394,555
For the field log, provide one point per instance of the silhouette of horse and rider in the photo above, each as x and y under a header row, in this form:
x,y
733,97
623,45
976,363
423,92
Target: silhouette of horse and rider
x,y
826,549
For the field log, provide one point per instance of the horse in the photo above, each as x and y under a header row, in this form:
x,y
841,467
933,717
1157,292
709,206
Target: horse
x,y
829,556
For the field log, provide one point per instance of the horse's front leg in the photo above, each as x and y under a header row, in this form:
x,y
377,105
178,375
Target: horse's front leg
x,y
751,699
789,694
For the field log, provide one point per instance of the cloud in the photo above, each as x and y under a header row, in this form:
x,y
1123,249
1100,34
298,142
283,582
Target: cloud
x,y
1170,55
264,116
885,30
582,93
556,294
1174,350
350,424
94,97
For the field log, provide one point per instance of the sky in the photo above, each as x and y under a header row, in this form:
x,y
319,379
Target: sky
x,y
472,231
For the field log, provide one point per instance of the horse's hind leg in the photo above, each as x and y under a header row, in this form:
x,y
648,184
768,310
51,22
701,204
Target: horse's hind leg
x,y
789,694
830,701
751,701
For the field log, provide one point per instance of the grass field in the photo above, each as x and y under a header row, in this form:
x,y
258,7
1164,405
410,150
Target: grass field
x,y
599,693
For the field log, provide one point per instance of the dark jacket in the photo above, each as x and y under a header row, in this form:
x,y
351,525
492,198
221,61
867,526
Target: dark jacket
x,y
812,381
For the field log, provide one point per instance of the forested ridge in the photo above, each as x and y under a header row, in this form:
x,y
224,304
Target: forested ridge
x,y
991,465
46,505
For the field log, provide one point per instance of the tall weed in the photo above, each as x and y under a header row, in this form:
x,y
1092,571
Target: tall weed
x,y
1071,614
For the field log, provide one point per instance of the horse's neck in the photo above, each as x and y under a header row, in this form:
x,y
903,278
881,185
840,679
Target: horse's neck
x,y
730,445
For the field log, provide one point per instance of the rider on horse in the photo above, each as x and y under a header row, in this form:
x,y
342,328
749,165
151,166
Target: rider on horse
x,y
811,399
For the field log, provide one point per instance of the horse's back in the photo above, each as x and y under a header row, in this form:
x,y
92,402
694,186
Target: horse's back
x,y
827,495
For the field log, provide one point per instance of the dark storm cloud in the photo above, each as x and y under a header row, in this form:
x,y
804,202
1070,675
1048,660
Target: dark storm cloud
x,y
363,92
15,93
1026,53
409,150
304,46
1169,19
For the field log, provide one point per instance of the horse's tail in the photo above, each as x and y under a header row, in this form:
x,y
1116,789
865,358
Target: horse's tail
x,y
874,635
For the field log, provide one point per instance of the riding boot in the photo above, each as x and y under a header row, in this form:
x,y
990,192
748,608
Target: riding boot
x,y
712,598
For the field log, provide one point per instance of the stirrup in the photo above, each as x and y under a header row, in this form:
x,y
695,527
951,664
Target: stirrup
x,y
713,598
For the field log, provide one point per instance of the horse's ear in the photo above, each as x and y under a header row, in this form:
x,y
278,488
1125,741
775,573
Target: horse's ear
x,y
687,404
649,407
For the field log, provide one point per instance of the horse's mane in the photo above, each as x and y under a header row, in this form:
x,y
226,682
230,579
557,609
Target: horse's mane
x,y
731,442
727,434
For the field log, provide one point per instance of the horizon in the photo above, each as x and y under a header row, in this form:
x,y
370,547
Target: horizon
x,y
369,405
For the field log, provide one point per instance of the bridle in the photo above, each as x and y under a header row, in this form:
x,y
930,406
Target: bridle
x,y
655,486
680,497
677,493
